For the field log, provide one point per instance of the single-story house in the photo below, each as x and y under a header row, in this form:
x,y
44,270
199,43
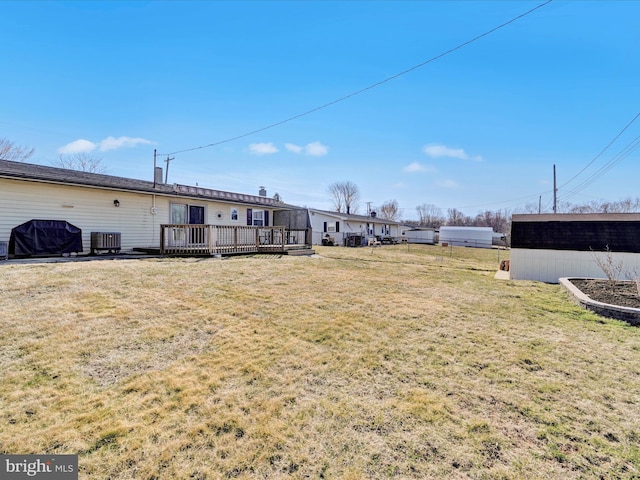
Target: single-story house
x,y
145,214
547,247
343,226
336,228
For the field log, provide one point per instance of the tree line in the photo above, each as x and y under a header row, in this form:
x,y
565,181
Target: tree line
x,y
346,197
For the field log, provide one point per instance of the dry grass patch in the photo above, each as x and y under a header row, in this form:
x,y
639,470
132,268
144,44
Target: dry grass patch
x,y
361,363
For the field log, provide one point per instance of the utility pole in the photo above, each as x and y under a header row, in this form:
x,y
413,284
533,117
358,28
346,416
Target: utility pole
x,y
540,204
166,174
555,191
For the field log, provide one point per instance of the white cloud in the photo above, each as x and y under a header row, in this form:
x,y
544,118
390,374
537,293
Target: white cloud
x,y
263,148
399,186
112,143
418,167
316,149
293,148
439,151
313,149
78,146
448,184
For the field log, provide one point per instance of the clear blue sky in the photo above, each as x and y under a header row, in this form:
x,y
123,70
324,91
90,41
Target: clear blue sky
x,y
479,128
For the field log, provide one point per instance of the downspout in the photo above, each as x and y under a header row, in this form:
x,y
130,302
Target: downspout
x,y
154,211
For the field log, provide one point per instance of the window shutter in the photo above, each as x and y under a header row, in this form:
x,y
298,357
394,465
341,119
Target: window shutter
x,y
325,227
337,227
249,216
266,218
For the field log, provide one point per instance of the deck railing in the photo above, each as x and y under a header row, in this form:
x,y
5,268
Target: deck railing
x,y
180,239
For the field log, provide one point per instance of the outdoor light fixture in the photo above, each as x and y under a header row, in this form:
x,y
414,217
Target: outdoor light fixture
x,y
116,203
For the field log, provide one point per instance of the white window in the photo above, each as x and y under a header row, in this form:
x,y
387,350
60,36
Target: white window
x,y
258,218
234,214
178,214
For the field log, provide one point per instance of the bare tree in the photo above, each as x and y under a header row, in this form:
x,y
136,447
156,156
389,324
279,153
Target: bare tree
x,y
499,221
12,152
345,196
80,161
612,268
430,215
627,205
456,218
389,210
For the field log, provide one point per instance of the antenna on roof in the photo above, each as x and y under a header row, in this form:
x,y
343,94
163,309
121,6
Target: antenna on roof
x,y
166,174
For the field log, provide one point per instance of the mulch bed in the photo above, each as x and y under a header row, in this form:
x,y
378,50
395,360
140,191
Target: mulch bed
x,y
621,293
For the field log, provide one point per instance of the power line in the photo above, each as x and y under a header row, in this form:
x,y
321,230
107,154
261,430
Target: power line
x,y
624,153
630,148
370,87
602,152
514,200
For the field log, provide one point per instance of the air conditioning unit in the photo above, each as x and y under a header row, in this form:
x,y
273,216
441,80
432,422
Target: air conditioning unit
x,y
109,241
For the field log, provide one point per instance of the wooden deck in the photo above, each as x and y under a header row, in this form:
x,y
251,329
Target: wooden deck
x,y
230,240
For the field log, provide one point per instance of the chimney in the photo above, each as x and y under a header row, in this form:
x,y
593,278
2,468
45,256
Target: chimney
x,y
157,178
262,192
348,209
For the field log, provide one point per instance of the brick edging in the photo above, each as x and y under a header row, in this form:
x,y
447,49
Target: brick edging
x,y
627,314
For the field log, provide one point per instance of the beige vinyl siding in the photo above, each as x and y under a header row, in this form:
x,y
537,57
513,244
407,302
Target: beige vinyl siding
x,y
92,210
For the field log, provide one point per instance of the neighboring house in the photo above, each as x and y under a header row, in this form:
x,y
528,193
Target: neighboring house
x,y
340,226
547,247
134,208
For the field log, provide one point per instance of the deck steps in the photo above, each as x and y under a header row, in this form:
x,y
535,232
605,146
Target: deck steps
x,y
301,251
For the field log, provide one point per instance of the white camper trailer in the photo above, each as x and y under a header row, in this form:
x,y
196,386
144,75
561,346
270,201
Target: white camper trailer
x,y
419,235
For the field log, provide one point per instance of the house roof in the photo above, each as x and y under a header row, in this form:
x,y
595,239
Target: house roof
x,y
354,218
41,173
576,217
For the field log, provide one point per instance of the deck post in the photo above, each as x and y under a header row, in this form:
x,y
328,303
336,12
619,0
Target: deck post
x,y
211,232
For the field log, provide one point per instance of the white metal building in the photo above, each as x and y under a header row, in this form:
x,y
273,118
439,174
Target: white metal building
x,y
548,247
479,237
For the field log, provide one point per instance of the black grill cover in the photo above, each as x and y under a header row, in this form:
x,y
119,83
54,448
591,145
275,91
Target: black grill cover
x,y
42,237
